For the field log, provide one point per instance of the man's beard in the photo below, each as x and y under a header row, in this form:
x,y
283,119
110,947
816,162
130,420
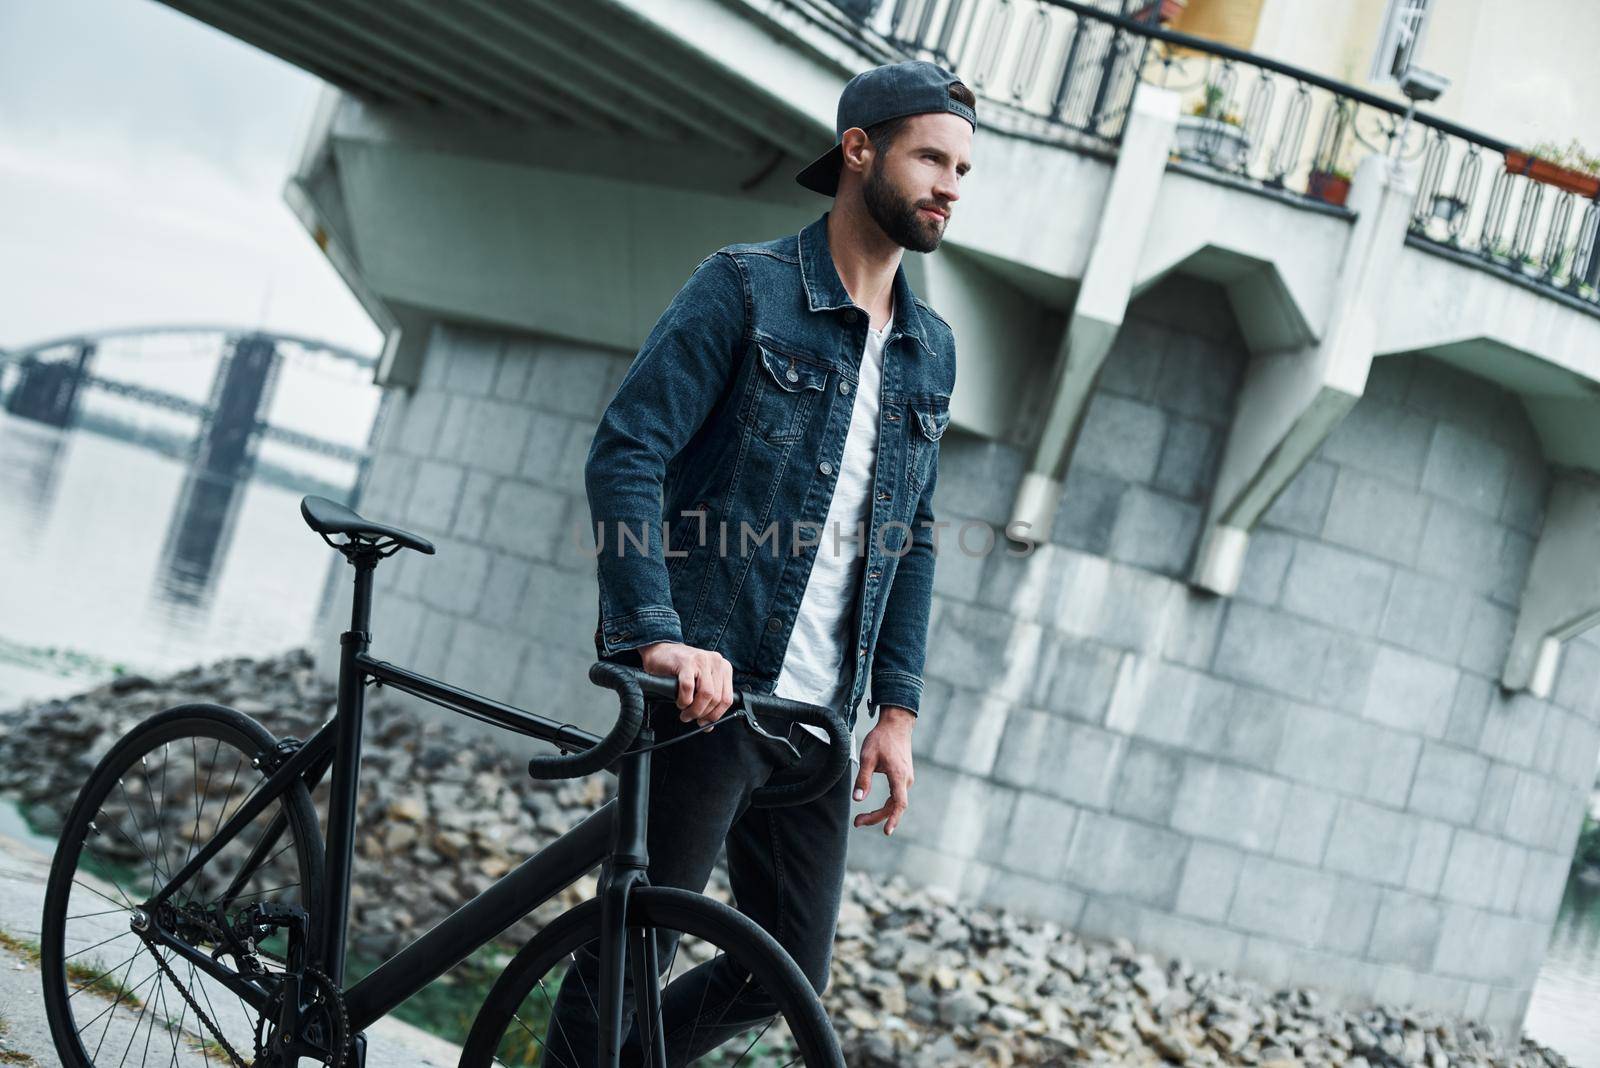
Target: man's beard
x,y
900,219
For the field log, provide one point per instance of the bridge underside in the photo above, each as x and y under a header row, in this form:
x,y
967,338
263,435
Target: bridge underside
x,y
557,170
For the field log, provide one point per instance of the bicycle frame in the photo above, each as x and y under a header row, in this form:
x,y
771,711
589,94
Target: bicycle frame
x,y
613,836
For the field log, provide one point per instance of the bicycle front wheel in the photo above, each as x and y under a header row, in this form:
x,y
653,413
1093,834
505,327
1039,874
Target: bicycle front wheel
x,y
115,996
725,993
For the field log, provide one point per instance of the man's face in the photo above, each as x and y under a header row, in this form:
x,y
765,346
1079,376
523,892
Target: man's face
x,y
909,190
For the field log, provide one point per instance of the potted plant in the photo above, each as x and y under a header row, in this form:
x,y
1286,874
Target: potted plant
x,y
1212,133
1329,184
1159,12
1570,168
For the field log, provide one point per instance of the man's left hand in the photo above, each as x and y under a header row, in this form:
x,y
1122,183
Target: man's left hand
x,y
887,750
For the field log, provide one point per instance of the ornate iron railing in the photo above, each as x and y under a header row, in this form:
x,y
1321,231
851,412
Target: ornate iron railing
x,y
1076,65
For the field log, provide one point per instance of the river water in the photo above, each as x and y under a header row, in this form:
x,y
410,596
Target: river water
x,y
111,554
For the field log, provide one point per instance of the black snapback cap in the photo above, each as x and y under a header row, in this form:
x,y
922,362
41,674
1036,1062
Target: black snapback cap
x,y
887,92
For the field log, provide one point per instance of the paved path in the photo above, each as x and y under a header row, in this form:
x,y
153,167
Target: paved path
x,y
24,867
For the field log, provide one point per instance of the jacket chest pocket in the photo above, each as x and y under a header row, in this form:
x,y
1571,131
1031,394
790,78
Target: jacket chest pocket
x,y
783,389
928,420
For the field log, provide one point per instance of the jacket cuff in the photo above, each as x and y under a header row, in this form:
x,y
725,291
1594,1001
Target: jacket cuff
x,y
656,623
895,688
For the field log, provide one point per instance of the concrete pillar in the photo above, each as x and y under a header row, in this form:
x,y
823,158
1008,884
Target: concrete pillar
x,y
1097,314
1292,399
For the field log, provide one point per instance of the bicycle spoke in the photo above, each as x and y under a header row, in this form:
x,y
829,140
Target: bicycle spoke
x,y
150,1032
155,869
705,990
122,906
258,893
135,1033
92,915
97,945
550,1014
228,794
194,834
177,1033
103,974
217,1030
111,1007
161,846
753,1042
535,1039
263,866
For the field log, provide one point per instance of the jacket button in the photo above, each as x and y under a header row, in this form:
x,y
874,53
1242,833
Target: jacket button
x,y
792,375
844,387
825,467
850,315
773,624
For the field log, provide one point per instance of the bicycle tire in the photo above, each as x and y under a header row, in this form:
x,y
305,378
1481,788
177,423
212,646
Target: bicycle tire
x,y
651,907
195,723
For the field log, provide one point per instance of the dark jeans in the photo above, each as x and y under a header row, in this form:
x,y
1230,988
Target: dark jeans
x,y
785,866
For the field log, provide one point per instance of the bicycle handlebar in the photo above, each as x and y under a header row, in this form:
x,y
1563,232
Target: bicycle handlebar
x,y
633,685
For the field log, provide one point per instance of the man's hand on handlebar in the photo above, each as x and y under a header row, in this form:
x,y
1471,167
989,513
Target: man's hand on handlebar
x,y
705,679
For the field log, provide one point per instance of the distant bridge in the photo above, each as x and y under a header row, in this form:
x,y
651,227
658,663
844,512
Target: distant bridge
x,y
49,388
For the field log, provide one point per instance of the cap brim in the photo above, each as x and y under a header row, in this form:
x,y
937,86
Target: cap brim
x,y
822,174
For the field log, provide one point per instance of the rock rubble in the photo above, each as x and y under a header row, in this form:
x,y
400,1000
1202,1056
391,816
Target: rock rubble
x,y
917,978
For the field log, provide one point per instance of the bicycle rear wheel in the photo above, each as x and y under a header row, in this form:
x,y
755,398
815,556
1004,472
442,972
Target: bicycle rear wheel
x,y
728,993
155,799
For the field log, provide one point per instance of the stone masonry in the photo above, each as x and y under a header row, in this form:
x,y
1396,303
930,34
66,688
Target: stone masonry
x,y
1315,782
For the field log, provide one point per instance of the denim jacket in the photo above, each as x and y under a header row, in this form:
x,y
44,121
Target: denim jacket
x,y
712,469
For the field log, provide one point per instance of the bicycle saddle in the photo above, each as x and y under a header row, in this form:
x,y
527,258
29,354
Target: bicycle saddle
x,y
330,517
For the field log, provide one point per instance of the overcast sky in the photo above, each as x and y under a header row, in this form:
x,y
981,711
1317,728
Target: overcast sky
x,y
142,158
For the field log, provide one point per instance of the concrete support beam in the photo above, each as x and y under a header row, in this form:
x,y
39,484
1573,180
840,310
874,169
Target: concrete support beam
x,y
1291,400
1562,595
1108,282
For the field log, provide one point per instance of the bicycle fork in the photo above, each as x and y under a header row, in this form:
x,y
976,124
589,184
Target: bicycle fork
x,y
624,869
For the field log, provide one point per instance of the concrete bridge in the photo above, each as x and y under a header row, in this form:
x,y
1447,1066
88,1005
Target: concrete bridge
x,y
1297,678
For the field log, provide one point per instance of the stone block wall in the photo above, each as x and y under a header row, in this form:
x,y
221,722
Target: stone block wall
x,y
1317,781
485,458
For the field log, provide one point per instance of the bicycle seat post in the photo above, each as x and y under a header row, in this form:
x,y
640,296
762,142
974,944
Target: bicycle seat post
x,y
346,765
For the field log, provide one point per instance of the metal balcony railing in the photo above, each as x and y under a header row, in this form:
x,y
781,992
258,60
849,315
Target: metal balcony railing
x,y
1076,65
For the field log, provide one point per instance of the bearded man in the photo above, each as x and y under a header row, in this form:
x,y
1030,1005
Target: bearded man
x,y
795,387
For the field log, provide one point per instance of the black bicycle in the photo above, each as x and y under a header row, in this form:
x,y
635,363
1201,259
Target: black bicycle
x,y
195,914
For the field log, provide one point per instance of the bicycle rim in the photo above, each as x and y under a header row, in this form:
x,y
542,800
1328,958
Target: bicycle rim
x,y
157,797
521,1022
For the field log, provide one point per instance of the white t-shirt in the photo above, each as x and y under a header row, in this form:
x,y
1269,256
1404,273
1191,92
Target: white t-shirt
x,y
816,665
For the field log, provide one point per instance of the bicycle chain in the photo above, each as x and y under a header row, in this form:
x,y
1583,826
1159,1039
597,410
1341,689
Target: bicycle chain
x,y
161,962
338,1050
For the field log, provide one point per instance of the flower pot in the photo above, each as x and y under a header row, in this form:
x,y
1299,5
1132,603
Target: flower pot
x,y
1542,170
1163,10
1328,187
1212,141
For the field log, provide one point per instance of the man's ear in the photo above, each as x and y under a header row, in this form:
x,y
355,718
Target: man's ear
x,y
857,146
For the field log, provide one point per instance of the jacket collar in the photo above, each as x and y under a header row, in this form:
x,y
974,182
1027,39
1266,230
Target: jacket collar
x,y
825,292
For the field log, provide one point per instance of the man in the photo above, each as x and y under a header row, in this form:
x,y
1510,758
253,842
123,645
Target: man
x,y
783,417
